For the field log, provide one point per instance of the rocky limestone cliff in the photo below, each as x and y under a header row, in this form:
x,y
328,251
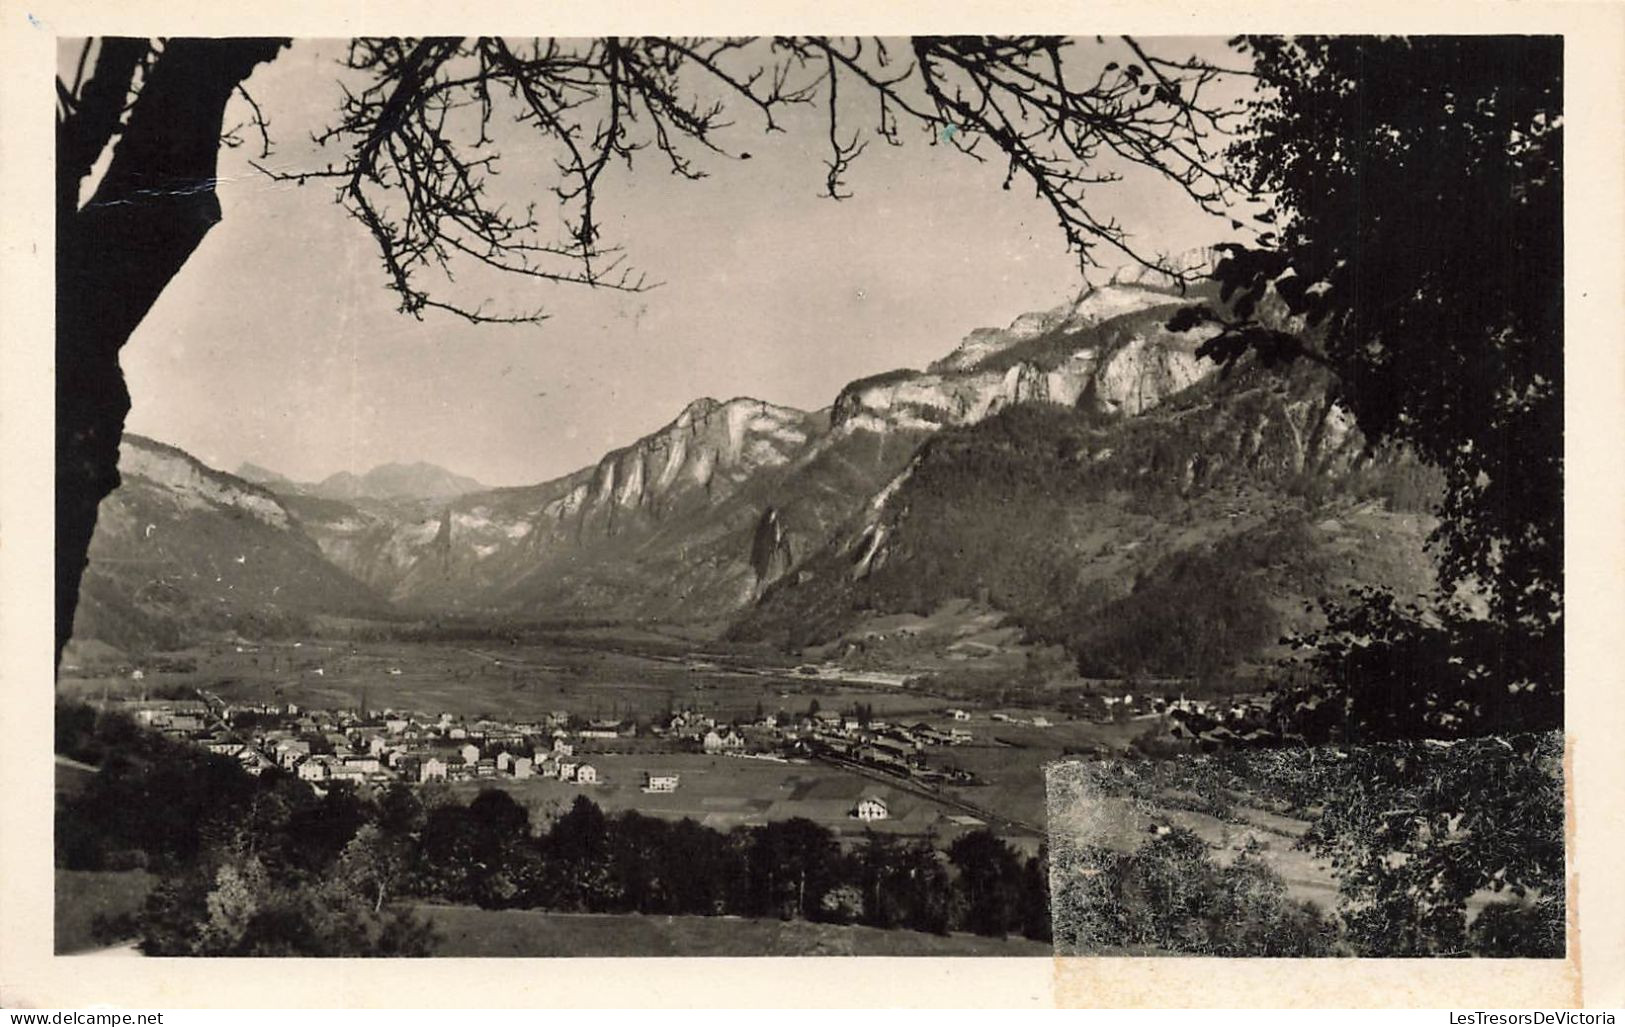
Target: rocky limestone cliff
x,y
1258,428
179,479
495,548
1126,290
1033,438
704,453
1113,355
771,553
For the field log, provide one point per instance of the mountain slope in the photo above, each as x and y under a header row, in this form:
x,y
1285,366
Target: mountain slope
x,y
181,549
696,519
574,545
1080,475
704,517
1180,540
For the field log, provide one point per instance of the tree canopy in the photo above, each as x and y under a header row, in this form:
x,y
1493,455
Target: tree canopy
x,y
1417,252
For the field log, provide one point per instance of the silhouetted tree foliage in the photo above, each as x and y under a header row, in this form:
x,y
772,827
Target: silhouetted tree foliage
x,y
903,885
1417,252
1416,829
991,880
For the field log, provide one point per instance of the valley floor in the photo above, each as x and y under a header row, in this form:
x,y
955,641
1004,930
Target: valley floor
x,y
536,677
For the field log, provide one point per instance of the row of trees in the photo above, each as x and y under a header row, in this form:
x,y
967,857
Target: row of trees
x,y
589,861
263,866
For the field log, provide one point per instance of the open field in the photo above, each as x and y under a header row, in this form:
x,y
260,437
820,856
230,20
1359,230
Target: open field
x,y
1127,823
468,931
519,681
1014,773
725,792
84,895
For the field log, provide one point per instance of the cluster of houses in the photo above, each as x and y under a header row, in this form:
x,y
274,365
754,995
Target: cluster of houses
x,y
322,746
895,748
409,747
1216,724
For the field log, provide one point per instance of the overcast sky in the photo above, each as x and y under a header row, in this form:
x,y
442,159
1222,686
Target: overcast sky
x,y
279,344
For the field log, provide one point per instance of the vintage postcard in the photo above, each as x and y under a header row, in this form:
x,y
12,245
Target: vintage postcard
x,y
1122,514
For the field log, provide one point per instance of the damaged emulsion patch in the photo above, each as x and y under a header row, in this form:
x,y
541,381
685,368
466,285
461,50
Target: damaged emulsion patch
x,y
1385,852
1571,822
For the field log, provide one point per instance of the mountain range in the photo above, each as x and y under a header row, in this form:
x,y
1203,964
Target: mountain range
x,y
384,482
1080,475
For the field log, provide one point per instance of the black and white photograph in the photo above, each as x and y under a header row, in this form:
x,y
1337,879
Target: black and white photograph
x,y
931,496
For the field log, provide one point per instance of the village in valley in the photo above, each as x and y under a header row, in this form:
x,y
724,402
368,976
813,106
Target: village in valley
x,y
917,765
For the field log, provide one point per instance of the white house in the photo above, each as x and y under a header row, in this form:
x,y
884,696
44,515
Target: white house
x,y
504,762
661,782
361,762
871,808
523,767
432,769
289,753
959,714
586,774
471,753
315,768
731,741
567,770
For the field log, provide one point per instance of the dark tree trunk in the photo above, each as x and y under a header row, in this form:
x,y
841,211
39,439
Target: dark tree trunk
x,y
116,253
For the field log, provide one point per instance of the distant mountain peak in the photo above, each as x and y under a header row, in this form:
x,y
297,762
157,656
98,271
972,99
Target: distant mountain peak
x,y
417,480
253,472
